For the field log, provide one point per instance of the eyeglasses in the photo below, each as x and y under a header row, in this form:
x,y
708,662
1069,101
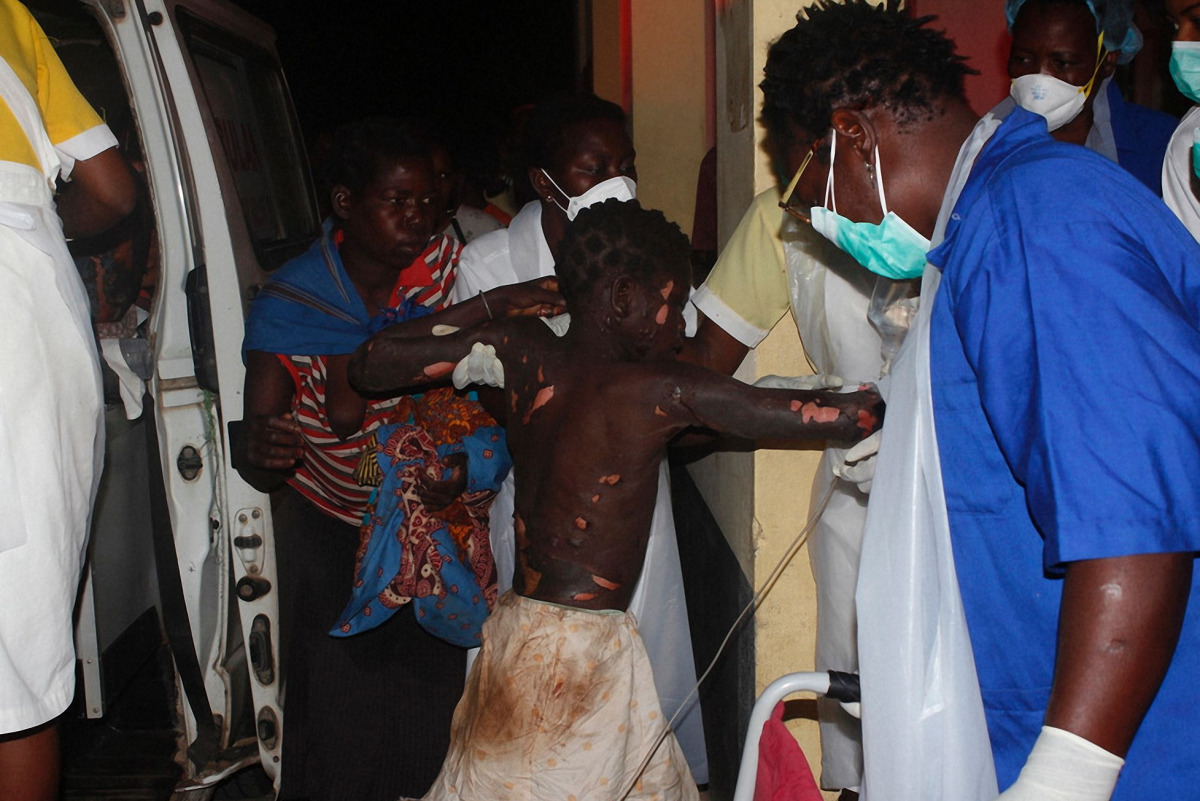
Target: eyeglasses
x,y
785,202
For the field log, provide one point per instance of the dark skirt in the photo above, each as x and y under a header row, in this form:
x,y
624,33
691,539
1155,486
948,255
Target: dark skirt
x,y
365,717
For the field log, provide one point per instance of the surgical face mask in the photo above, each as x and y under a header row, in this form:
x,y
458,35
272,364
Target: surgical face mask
x,y
1185,68
620,187
1056,100
890,248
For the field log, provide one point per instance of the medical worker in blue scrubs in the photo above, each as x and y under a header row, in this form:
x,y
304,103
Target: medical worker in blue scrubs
x,y
1062,59
1044,418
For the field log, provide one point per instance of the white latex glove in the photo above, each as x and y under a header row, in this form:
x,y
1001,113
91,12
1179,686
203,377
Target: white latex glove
x,y
806,382
480,366
859,465
1065,767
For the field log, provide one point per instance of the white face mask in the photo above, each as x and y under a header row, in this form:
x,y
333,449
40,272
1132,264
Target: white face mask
x,y
620,187
1055,99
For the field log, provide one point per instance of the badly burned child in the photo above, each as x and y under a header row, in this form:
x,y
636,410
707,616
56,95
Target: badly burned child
x,y
561,701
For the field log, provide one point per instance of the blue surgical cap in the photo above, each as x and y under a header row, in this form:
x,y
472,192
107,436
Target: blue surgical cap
x,y
1113,17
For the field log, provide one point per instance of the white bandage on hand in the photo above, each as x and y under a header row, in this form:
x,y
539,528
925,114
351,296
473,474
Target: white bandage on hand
x,y
859,465
1065,767
805,382
480,366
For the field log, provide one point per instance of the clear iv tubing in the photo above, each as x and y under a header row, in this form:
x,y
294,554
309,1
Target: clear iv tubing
x,y
750,607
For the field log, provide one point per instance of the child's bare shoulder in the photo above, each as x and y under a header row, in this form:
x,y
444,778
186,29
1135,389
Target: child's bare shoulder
x,y
519,330
512,337
664,376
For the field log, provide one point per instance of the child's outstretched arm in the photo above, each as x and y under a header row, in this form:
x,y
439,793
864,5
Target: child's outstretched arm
x,y
384,362
395,360
693,396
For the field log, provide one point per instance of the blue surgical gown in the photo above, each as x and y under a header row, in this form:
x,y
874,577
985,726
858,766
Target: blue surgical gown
x,y
1141,135
1065,364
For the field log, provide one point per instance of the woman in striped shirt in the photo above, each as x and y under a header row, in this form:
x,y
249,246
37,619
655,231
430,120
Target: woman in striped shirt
x,y
367,716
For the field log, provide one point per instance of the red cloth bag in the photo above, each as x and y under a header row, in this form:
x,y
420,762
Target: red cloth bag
x,y
783,772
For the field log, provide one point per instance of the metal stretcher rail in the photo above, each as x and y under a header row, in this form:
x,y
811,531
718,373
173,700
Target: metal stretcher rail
x,y
833,684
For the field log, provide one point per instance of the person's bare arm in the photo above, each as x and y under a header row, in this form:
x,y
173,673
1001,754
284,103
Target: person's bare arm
x,y
536,298
713,348
344,408
391,360
100,194
400,358
698,397
1118,626
269,442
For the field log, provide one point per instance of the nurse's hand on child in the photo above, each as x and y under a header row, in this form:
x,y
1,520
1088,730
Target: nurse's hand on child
x,y
805,382
858,467
536,298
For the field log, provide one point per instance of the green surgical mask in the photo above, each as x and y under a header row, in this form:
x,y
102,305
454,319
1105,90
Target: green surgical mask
x,y
1185,68
891,248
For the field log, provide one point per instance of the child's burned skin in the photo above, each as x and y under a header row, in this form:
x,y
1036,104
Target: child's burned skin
x,y
868,421
372,365
813,412
605,583
665,309
837,417
534,393
438,370
558,579
527,579
592,413
543,396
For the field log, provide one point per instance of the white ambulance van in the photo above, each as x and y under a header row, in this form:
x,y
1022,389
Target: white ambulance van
x,y
181,547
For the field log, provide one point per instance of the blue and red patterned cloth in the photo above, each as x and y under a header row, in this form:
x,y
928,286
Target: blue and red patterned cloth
x,y
440,561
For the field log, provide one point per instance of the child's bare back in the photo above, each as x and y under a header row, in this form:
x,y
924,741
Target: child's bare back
x,y
587,437
588,450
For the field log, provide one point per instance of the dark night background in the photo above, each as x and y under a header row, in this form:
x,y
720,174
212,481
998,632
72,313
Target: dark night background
x,y
469,62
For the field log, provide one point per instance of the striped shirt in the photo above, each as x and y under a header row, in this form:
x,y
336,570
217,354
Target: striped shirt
x,y
326,472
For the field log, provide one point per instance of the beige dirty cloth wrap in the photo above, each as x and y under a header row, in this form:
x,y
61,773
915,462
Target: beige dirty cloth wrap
x,y
560,705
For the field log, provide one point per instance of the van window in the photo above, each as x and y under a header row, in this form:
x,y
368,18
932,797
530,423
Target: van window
x,y
248,100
